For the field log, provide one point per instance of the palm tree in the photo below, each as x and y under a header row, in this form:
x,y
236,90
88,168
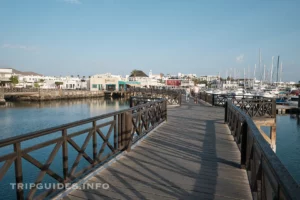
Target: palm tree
x,y
161,76
134,72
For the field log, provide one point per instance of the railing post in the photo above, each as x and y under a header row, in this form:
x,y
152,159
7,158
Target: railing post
x,y
299,101
94,142
115,134
18,171
65,154
273,136
120,132
274,108
226,110
244,134
213,99
128,130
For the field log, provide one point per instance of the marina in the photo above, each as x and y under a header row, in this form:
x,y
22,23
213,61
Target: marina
x,y
149,100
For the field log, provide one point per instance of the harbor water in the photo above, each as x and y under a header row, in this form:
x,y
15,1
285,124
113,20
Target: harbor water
x,y
288,143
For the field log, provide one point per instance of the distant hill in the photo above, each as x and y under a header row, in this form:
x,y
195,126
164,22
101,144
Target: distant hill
x,y
23,73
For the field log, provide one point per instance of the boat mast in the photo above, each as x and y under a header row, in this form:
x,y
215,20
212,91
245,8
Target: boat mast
x,y
277,70
226,74
259,66
264,73
244,78
271,80
281,72
254,72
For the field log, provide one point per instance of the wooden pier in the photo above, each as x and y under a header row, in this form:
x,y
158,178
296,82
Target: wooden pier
x,y
187,151
192,156
284,109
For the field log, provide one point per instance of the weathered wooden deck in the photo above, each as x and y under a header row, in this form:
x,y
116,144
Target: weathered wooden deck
x,y
192,156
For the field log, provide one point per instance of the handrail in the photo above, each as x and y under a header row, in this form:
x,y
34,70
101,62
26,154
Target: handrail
x,y
268,177
28,136
254,106
124,127
173,96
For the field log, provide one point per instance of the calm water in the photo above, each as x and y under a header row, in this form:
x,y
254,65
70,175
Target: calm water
x,y
288,143
17,118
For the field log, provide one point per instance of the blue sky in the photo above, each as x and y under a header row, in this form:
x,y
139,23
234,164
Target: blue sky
x,y
85,37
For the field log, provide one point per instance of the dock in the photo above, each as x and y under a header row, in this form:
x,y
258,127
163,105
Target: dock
x,y
285,109
192,156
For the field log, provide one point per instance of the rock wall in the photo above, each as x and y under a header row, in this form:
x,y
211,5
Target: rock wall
x,y
45,95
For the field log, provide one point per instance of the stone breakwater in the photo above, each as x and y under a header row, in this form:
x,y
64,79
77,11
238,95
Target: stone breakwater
x,y
46,95
2,100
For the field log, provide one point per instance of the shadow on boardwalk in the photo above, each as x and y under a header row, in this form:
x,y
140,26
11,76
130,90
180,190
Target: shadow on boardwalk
x,y
192,156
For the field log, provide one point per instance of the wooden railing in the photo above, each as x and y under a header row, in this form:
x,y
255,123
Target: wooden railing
x,y
268,177
221,99
257,107
134,101
254,106
173,97
115,131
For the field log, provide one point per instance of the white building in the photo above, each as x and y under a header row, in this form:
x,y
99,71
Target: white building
x,y
5,75
227,84
105,82
143,79
209,78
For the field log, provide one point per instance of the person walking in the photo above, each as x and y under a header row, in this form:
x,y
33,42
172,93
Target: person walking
x,y
187,95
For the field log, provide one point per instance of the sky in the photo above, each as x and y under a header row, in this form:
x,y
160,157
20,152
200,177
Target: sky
x,y
86,37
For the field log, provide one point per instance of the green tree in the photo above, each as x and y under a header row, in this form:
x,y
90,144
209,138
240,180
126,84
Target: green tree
x,y
133,73
161,76
58,84
14,80
36,85
198,81
42,80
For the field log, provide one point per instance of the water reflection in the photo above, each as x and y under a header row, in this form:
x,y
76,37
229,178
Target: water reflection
x,y
17,118
288,143
296,117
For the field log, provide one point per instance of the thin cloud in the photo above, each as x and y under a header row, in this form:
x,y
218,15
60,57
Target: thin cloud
x,y
72,1
21,47
240,58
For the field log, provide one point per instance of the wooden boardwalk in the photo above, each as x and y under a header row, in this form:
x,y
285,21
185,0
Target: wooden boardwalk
x,y
192,156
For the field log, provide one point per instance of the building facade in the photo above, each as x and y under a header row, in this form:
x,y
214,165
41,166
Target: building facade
x,y
105,82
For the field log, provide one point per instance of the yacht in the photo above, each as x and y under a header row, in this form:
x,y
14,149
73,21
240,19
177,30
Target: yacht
x,y
242,93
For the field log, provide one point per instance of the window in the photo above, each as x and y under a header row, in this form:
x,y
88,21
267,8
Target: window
x,y
94,86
